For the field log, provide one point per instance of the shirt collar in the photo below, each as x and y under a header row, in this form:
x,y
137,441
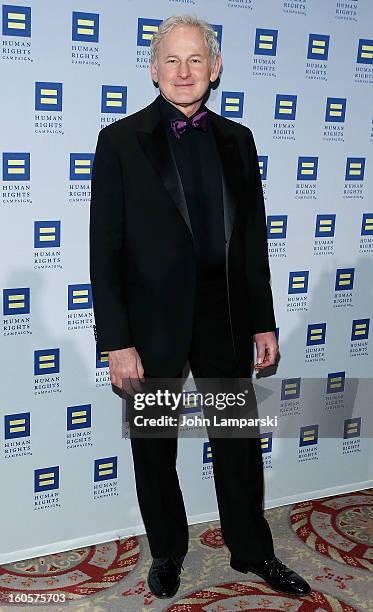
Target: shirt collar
x,y
169,111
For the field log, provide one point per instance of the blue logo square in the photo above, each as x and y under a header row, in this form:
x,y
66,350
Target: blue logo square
x,y
335,110
81,166
325,226
114,99
309,435
79,296
207,454
266,441
365,51
316,334
16,20
352,428
360,329
265,42
16,301
307,168
17,425
146,28
298,281
344,279
105,468
276,226
263,166
286,107
85,27
78,417
336,382
16,166
318,47
46,361
290,388
47,234
102,359
48,96
367,224
355,168
46,479
232,104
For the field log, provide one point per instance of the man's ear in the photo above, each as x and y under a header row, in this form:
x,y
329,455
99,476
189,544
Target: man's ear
x,y
216,69
154,72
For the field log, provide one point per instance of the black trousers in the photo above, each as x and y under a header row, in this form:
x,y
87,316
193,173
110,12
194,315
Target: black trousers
x,y
237,462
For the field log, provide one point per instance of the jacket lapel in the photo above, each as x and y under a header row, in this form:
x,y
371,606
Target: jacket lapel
x,y
153,140
158,151
231,178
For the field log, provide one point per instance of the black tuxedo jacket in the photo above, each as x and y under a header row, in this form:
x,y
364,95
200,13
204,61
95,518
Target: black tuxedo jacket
x,y
142,257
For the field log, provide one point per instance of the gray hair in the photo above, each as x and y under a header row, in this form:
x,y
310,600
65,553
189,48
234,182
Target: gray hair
x,y
175,20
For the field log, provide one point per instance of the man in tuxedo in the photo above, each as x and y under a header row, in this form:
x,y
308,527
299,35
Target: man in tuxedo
x,y
179,271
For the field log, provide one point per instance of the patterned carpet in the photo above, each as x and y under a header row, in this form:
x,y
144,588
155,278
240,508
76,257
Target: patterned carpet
x,y
328,541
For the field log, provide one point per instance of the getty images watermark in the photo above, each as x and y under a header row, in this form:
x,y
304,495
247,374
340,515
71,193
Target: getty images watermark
x,y
167,407
192,399
334,406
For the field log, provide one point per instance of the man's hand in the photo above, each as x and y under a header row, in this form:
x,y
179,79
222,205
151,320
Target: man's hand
x,y
126,369
266,349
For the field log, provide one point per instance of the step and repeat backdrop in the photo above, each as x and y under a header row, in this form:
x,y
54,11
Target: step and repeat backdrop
x,y
300,75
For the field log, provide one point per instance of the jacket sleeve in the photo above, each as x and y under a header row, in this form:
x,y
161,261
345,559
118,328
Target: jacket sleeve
x,y
106,256
257,265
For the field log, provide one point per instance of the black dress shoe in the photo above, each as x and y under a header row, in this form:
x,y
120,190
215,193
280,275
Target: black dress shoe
x,y
164,576
279,576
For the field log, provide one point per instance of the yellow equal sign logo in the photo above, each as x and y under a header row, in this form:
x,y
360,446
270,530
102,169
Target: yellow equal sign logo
x,y
48,96
291,388
344,278
335,382
103,357
307,167
80,296
46,361
16,21
352,428
82,166
309,435
148,31
325,225
78,416
298,282
316,333
265,41
47,234
318,46
360,329
16,166
104,469
17,425
366,51
276,227
114,98
232,104
16,300
335,109
85,26
285,107
367,224
46,478
355,168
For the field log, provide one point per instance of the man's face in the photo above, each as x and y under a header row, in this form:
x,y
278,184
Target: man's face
x,y
183,68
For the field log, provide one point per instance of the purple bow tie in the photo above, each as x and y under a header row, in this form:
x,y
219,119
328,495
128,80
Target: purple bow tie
x,y
180,126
